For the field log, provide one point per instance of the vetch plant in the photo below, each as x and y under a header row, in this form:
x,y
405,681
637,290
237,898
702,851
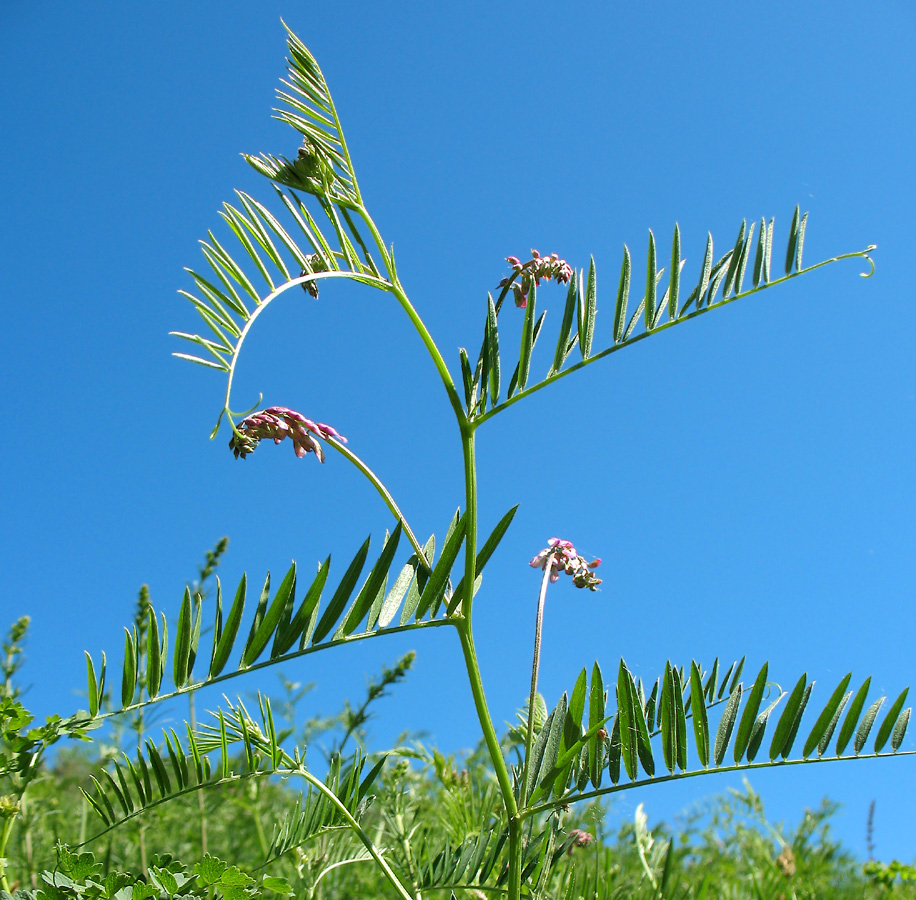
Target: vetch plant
x,y
604,735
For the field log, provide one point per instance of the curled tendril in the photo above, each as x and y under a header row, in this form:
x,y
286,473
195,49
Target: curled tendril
x,y
871,262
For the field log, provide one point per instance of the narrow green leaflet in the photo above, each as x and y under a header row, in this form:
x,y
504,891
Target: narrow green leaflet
x,y
281,606
373,584
793,731
726,724
129,672
865,726
849,723
492,338
305,615
800,242
761,253
667,719
341,595
884,732
787,719
154,661
92,689
524,357
900,729
698,713
439,578
826,719
623,293
793,237
588,305
595,715
732,270
674,286
749,716
651,283
572,301
394,597
825,738
182,651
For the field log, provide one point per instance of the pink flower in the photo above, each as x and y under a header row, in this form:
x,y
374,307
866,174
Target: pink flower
x,y
561,557
533,271
580,839
277,423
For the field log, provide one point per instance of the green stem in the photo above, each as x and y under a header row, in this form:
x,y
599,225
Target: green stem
x,y
385,495
355,826
556,376
466,634
535,667
4,839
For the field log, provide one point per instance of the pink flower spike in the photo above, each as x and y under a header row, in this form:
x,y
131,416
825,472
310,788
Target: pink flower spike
x,y
561,557
278,423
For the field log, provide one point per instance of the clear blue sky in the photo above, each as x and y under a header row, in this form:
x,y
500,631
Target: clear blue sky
x,y
747,477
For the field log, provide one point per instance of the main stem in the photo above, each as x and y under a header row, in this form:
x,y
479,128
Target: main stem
x,y
466,634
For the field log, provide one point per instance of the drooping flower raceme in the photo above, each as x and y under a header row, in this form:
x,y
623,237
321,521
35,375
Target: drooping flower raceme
x,y
277,423
534,270
561,557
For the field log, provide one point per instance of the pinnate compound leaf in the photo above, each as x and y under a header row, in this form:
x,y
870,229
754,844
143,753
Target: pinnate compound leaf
x,y
826,721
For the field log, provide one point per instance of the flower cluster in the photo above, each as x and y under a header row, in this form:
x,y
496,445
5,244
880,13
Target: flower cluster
x,y
580,839
533,271
561,556
277,423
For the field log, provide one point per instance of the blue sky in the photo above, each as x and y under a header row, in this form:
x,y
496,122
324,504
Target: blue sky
x,y
748,477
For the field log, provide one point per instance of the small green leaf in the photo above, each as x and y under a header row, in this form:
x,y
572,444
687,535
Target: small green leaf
x,y
674,286
372,586
680,719
259,613
153,660
439,578
412,600
749,716
734,262
793,731
698,713
900,729
587,318
793,238
787,719
565,327
341,595
865,726
705,271
849,723
668,721
129,673
769,254
466,378
595,715
800,242
761,253
884,732
298,627
827,717
745,255
492,338
182,652
92,691
726,724
825,739
651,282
281,606
524,357
623,293
760,726
398,590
